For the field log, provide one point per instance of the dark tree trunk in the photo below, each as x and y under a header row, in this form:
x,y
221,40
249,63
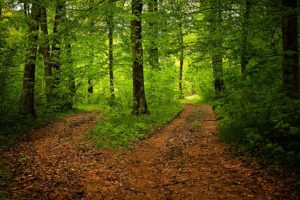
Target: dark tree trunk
x,y
110,23
45,51
71,83
27,105
181,60
216,46
291,72
153,50
90,87
218,73
245,26
60,14
1,6
139,98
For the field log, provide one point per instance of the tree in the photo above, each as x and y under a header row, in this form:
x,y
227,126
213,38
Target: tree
x,y
245,25
110,24
45,51
153,49
60,15
181,58
216,43
27,105
139,97
291,71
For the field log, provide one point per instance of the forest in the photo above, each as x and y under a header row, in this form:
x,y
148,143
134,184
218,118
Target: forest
x,y
127,68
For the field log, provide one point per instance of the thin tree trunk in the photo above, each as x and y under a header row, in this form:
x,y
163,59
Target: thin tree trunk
x,y
245,26
153,50
139,98
71,84
181,61
90,84
90,87
27,105
291,72
1,7
110,23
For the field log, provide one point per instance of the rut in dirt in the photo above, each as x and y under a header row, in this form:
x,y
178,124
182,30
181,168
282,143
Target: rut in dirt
x,y
183,160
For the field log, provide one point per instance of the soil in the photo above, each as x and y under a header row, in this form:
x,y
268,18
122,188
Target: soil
x,y
183,160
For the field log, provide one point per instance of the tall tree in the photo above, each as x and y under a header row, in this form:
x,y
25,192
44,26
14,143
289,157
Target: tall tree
x,y
27,105
181,59
245,25
45,51
216,42
153,50
110,24
60,14
139,97
291,71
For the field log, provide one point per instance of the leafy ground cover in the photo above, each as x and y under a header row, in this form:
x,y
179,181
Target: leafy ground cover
x,y
120,129
182,160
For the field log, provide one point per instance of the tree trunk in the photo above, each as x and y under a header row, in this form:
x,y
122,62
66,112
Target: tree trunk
x,y
60,14
27,105
90,87
45,51
181,60
153,50
110,23
290,65
216,46
245,26
71,83
139,98
1,6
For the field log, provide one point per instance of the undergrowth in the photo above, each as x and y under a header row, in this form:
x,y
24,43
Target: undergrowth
x,y
261,121
120,129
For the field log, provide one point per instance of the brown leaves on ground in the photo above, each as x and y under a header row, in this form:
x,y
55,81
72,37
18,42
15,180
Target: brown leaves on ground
x,y
183,160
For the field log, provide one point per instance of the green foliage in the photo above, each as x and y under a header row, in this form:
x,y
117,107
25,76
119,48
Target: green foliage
x,y
120,129
260,119
253,111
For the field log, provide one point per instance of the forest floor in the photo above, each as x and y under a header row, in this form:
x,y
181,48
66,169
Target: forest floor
x,y
183,160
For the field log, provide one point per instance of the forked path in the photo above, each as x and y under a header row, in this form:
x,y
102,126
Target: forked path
x,y
183,160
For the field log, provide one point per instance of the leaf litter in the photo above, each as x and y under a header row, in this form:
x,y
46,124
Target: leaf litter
x,y
183,160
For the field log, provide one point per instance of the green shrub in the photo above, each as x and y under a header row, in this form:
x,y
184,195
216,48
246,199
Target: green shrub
x,y
120,129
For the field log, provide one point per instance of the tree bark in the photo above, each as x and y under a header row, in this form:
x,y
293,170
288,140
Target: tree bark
x,y
90,87
217,60
245,26
27,104
110,23
71,83
153,50
45,51
290,65
181,61
60,14
139,99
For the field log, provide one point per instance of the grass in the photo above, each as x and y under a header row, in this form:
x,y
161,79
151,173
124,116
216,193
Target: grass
x,y
119,129
192,99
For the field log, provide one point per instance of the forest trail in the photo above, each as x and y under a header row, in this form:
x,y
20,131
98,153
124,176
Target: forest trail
x,y
183,160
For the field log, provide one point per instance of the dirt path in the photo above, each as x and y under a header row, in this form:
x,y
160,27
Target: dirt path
x,y
184,160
